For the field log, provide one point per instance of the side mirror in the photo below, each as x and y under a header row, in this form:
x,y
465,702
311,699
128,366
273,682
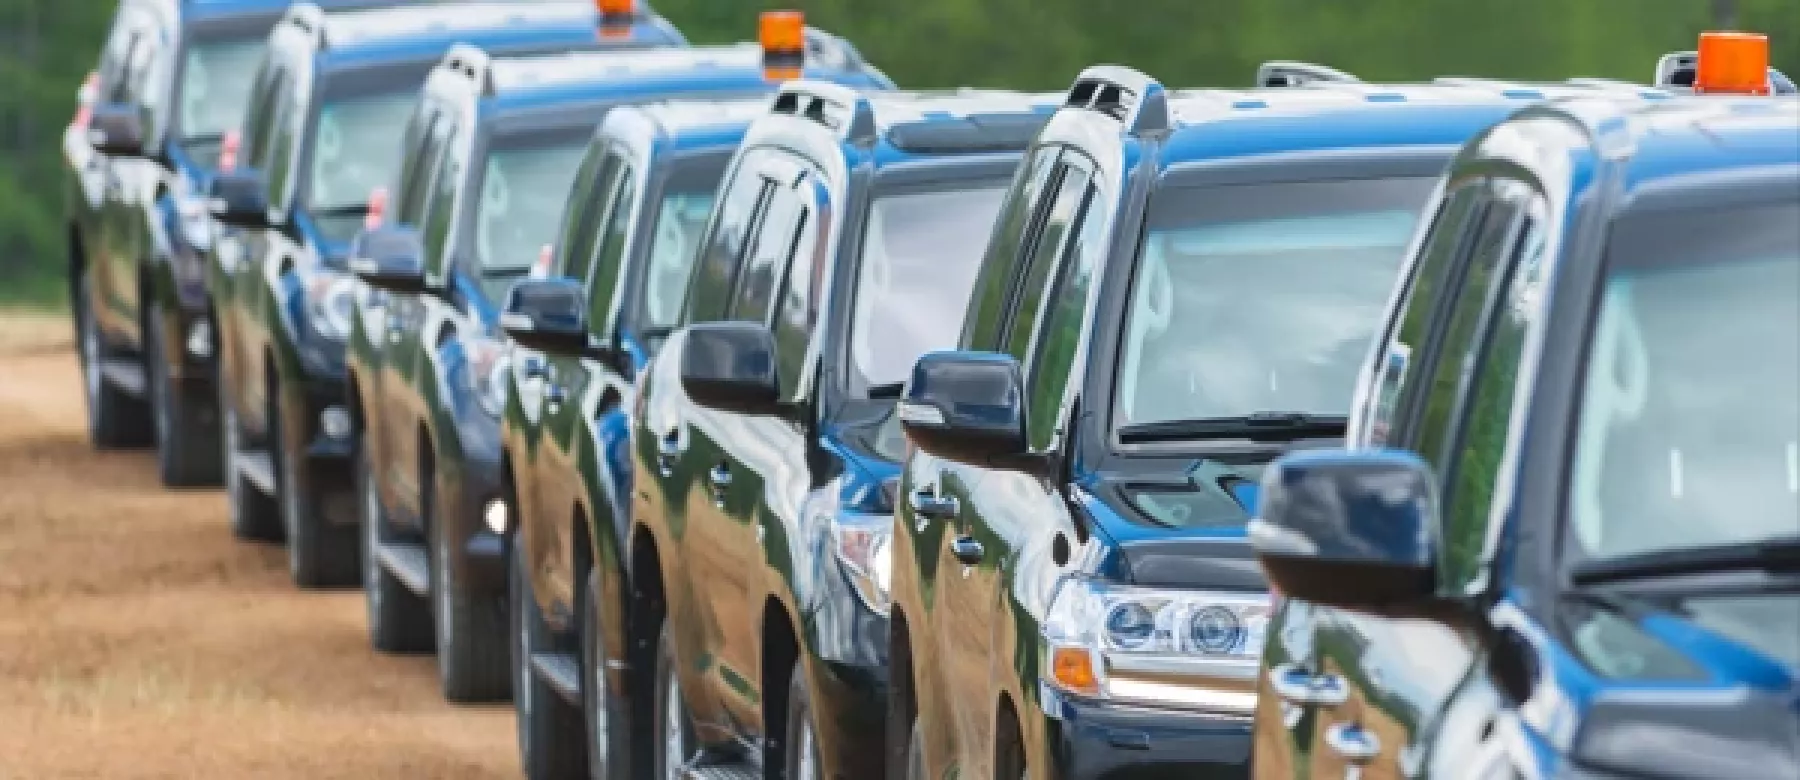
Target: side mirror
x,y
548,315
1350,529
117,129
239,199
966,406
390,257
730,366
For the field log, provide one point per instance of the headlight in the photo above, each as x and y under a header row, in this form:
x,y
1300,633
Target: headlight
x,y
487,369
331,302
864,546
1190,649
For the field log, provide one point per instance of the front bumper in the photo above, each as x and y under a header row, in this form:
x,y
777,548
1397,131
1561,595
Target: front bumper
x,y
482,559
1111,740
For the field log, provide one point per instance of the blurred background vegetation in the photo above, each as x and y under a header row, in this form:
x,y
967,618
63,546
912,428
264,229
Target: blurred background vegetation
x,y
46,46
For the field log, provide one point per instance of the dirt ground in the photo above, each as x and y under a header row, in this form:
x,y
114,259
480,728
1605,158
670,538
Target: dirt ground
x,y
138,639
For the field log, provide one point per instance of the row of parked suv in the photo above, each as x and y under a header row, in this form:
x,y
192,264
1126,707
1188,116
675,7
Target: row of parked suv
x,y
737,414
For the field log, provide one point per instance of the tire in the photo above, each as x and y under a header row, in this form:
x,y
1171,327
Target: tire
x,y
188,453
915,751
674,743
605,714
800,747
116,420
319,556
255,516
1009,758
399,621
551,744
474,662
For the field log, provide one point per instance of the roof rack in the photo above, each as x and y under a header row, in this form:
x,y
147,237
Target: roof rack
x,y
1128,95
839,108
1293,73
309,20
471,63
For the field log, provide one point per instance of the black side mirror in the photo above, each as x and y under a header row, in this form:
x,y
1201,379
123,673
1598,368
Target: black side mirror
x,y
730,366
967,407
117,129
239,199
548,315
1356,530
390,257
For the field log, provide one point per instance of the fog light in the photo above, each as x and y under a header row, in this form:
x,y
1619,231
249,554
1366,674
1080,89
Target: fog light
x,y
335,422
495,514
199,339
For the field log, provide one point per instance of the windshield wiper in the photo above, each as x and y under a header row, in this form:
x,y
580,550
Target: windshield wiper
x,y
1773,555
886,391
1270,426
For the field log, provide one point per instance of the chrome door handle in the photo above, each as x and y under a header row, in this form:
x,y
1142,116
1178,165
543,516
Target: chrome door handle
x,y
554,396
967,550
720,477
1352,742
1299,686
668,452
928,504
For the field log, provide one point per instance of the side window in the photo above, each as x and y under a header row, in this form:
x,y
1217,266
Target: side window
x,y
755,296
1486,413
1059,339
579,205
1449,233
1059,215
440,210
710,289
797,310
999,267
604,285
581,241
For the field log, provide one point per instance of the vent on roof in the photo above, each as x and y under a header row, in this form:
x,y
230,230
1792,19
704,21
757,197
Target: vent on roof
x,y
309,20
1290,73
839,109
1131,97
471,63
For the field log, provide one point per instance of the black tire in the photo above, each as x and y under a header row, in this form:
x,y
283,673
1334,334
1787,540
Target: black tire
x,y
550,731
1009,757
915,751
473,653
319,555
188,453
255,516
674,743
116,420
800,746
399,620
607,715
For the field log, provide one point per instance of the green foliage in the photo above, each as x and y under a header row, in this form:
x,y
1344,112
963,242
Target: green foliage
x,y
47,45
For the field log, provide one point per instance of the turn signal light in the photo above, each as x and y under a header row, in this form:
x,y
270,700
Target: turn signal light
x,y
1733,63
378,201
1073,669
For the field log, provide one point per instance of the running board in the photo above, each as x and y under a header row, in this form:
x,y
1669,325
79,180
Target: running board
x,y
124,373
560,671
258,469
409,563
742,770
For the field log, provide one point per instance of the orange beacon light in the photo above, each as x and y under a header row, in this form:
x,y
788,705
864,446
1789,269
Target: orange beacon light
x,y
1732,63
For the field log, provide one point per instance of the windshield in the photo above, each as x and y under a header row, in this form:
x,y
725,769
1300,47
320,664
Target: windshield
x,y
1690,411
920,254
524,185
1261,297
215,90
687,201
356,148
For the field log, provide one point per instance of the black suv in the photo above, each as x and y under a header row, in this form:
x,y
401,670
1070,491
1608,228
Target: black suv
x,y
1181,288
333,96
763,441
1566,540
172,79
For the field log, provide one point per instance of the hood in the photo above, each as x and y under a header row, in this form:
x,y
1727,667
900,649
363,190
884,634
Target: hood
x,y
1183,530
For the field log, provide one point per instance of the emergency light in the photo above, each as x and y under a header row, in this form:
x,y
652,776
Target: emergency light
x,y
783,38
1732,62
616,17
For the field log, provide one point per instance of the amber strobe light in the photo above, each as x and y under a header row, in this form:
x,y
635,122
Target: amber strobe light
x,y
616,8
1073,669
783,37
1733,63
616,17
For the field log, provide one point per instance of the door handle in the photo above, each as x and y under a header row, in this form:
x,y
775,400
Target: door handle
x,y
1352,742
1299,686
536,368
967,550
668,452
395,328
928,504
554,396
720,477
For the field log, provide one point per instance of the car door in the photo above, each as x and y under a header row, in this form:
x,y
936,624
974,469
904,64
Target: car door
x,y
241,257
264,281
122,212
89,166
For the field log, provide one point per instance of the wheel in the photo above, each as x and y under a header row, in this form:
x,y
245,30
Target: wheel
x,y
802,743
674,743
550,739
187,431
115,419
608,721
915,750
399,621
254,515
472,649
319,556
1010,758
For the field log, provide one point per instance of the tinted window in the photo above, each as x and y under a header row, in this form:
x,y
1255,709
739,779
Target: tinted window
x,y
774,241
798,311
920,254
524,182
987,309
686,202
584,238
440,211
1051,365
580,207
271,88
1689,428
354,149
612,249
1260,297
215,85
1046,250
713,278
419,166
